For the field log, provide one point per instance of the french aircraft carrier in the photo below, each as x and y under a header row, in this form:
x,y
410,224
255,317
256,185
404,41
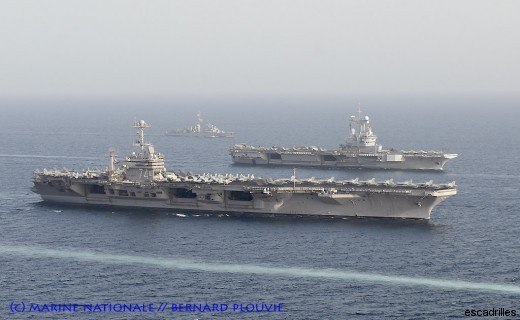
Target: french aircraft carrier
x,y
361,151
142,181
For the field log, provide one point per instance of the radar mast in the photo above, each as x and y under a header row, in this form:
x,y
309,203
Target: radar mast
x,y
141,125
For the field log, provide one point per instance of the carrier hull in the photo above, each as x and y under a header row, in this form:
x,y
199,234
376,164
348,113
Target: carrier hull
x,y
248,155
338,199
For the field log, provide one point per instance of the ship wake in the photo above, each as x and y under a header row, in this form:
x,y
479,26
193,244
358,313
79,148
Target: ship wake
x,y
295,272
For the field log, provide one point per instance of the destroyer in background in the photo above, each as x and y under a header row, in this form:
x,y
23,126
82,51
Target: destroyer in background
x,y
198,130
142,181
360,151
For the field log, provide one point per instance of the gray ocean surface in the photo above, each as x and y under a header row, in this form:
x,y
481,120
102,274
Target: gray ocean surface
x,y
465,257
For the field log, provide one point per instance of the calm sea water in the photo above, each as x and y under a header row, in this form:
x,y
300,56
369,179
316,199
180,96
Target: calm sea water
x,y
315,268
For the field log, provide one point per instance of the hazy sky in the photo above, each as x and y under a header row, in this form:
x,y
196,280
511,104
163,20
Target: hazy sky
x,y
265,47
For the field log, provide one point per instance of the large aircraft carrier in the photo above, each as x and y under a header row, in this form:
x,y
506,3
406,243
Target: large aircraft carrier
x,y
143,181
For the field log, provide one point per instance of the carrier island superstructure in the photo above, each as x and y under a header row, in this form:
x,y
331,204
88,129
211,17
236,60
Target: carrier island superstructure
x,y
360,151
142,181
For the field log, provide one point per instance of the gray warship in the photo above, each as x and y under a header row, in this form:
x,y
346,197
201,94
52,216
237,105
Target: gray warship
x,y
361,151
142,181
200,131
